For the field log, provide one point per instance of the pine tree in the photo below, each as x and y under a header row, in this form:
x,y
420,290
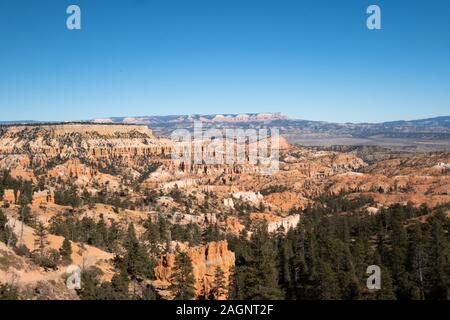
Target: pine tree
x,y
151,231
397,255
66,251
327,284
304,262
46,258
417,262
121,282
89,283
113,236
438,266
40,241
73,199
219,289
387,288
101,233
258,272
211,233
347,276
138,262
233,290
183,281
285,255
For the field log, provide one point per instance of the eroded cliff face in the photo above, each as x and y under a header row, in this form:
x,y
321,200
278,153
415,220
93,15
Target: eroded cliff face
x,y
82,139
87,152
83,175
205,260
422,178
102,145
100,154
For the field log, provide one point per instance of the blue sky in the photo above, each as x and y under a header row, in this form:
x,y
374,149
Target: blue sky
x,y
312,59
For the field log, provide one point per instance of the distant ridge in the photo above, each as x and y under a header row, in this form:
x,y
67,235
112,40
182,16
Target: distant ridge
x,y
258,117
443,121
59,123
219,118
412,135
18,122
417,135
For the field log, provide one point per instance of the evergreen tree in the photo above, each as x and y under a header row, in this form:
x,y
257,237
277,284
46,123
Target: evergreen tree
x,y
304,262
152,233
219,289
66,251
212,233
326,282
46,258
416,262
114,234
258,272
398,252
121,282
285,255
438,260
138,262
41,239
183,281
89,283
387,288
233,290
101,233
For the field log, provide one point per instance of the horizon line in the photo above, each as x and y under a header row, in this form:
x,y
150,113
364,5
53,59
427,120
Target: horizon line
x,y
289,118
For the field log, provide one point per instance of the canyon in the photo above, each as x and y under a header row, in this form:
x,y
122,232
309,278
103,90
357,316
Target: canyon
x,y
123,174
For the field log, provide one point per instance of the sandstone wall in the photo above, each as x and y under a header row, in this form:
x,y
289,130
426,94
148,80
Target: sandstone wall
x,y
205,260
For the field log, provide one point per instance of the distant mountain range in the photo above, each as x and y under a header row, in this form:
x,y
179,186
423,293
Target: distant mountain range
x,y
424,134
432,128
267,118
214,118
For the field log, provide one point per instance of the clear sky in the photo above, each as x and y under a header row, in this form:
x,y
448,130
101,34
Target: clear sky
x,y
311,59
